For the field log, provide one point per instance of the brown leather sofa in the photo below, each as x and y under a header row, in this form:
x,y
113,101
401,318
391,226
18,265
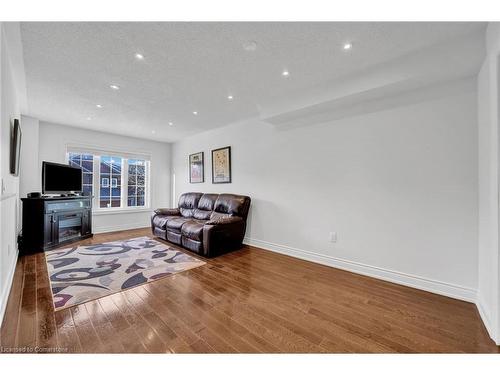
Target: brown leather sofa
x,y
207,224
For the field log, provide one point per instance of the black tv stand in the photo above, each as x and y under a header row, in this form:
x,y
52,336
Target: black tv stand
x,y
52,221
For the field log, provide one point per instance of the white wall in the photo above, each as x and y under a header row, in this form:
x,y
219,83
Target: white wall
x,y
399,186
53,140
9,198
488,245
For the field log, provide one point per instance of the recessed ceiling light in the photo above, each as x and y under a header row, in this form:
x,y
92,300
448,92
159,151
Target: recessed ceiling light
x,y
115,87
89,118
98,105
250,46
285,73
229,97
347,46
139,56
195,113
171,123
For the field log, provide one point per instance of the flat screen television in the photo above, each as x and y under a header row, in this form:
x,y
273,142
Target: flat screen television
x,y
60,178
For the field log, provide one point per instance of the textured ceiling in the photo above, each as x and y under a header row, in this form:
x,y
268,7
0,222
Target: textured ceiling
x,y
195,66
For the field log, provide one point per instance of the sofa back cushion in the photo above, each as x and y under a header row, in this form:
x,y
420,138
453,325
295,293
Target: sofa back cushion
x,y
210,206
205,206
188,203
232,205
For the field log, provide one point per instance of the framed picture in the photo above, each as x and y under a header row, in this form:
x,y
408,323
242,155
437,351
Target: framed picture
x,y
221,165
15,148
196,168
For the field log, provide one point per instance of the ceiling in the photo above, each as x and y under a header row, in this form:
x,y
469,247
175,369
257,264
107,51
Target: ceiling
x,y
195,67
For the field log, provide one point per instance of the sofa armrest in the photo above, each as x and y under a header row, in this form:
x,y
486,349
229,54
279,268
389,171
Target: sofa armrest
x,y
224,220
222,234
167,211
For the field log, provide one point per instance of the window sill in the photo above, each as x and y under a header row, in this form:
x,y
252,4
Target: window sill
x,y
114,211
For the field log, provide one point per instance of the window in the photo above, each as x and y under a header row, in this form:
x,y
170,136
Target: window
x,y
115,181
110,182
136,182
86,162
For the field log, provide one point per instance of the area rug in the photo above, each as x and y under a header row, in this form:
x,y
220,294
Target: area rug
x,y
83,273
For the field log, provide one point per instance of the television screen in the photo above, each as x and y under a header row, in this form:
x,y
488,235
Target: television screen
x,y
15,148
60,178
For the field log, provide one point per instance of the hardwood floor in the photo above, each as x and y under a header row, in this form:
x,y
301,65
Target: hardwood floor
x,y
247,301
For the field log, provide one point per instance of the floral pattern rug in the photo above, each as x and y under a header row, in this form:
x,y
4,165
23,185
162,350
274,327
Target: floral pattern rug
x,y
83,273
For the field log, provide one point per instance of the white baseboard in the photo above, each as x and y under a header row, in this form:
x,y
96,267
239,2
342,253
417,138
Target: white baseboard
x,y
6,290
418,282
116,228
485,316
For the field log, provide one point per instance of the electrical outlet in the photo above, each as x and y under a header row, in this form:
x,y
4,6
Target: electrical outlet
x,y
333,237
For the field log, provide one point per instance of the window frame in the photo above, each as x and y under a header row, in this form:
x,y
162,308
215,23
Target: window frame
x,y
146,182
110,179
124,207
81,162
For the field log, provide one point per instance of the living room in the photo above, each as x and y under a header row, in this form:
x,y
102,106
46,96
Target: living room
x,y
249,187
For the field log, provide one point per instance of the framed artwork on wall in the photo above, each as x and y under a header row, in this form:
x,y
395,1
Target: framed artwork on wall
x,y
15,148
196,168
221,165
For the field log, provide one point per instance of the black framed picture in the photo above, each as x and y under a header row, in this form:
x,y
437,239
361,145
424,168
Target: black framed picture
x,y
196,168
221,165
15,148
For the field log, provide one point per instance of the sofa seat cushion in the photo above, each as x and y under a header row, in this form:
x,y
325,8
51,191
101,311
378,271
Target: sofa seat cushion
x,y
160,221
175,224
193,229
